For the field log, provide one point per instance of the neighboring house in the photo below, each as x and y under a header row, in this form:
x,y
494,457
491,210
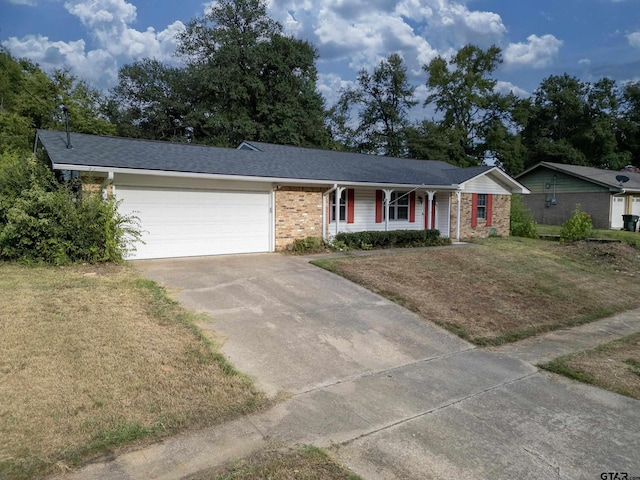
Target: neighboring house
x,y
197,200
556,189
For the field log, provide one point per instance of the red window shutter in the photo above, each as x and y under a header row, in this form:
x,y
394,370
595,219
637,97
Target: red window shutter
x,y
351,194
379,194
412,207
474,210
489,209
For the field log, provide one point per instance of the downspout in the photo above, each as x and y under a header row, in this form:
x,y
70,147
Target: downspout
x,y
324,210
105,185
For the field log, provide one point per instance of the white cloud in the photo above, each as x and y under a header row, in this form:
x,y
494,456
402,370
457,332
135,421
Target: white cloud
x,y
115,42
538,52
508,87
584,61
331,85
634,39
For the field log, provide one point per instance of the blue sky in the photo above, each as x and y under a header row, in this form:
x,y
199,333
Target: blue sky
x,y
589,39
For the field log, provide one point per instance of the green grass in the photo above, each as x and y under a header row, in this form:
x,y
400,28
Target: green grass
x,y
614,366
631,238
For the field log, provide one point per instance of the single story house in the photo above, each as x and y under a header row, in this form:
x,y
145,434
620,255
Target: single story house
x,y
557,188
195,200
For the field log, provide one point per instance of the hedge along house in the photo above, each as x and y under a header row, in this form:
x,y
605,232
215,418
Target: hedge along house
x,y
195,200
556,189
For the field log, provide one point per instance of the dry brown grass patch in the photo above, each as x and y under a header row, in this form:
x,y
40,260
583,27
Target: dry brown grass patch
x,y
282,464
95,356
614,366
504,289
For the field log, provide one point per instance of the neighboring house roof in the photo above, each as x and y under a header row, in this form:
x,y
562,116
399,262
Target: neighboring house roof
x,y
599,176
252,160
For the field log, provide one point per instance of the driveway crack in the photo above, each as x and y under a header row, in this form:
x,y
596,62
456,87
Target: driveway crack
x,y
441,407
381,371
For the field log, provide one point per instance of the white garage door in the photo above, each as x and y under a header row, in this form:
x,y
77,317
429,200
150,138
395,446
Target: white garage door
x,y
186,223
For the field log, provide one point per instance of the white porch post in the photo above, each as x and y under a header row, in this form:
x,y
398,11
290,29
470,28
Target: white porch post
x,y
336,213
387,201
429,209
458,216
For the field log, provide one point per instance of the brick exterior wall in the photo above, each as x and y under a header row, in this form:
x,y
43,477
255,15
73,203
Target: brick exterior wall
x,y
94,184
298,214
597,204
501,210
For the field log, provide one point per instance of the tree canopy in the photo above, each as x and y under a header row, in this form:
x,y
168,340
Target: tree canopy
x,y
242,79
32,99
382,100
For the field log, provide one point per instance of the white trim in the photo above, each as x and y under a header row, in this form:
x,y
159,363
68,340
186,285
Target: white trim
x,y
430,194
249,146
458,197
272,220
516,187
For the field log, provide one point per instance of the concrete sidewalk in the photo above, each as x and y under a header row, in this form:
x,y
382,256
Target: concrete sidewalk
x,y
546,347
394,396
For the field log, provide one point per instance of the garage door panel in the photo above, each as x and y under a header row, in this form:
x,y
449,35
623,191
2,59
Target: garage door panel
x,y
178,223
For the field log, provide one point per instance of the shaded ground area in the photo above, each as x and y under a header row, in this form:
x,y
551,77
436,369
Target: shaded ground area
x,y
92,357
503,290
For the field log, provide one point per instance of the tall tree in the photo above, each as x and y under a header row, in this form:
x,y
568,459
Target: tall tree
x,y
464,92
250,81
382,100
575,122
83,103
428,140
151,101
629,123
30,99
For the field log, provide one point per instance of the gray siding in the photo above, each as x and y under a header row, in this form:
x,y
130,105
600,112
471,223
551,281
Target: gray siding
x,y
596,204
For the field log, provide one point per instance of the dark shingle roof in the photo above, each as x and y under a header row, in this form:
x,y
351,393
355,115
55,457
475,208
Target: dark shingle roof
x,y
270,161
597,175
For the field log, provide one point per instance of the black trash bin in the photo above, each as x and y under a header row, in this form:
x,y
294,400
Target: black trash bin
x,y
630,222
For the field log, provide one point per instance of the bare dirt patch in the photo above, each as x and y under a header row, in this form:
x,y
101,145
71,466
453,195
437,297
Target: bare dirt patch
x,y
503,289
92,357
614,366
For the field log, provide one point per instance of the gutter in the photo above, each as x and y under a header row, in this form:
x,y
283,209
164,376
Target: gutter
x,y
247,178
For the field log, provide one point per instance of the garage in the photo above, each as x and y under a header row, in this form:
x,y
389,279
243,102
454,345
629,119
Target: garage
x,y
195,222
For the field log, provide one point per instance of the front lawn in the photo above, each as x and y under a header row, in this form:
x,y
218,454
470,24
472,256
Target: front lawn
x,y
92,357
614,366
504,289
631,238
296,463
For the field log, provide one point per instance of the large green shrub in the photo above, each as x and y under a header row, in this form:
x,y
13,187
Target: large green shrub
x,y
42,220
521,219
578,227
394,238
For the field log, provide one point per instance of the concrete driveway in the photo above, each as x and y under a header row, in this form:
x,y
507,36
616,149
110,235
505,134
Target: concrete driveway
x,y
296,327
400,397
